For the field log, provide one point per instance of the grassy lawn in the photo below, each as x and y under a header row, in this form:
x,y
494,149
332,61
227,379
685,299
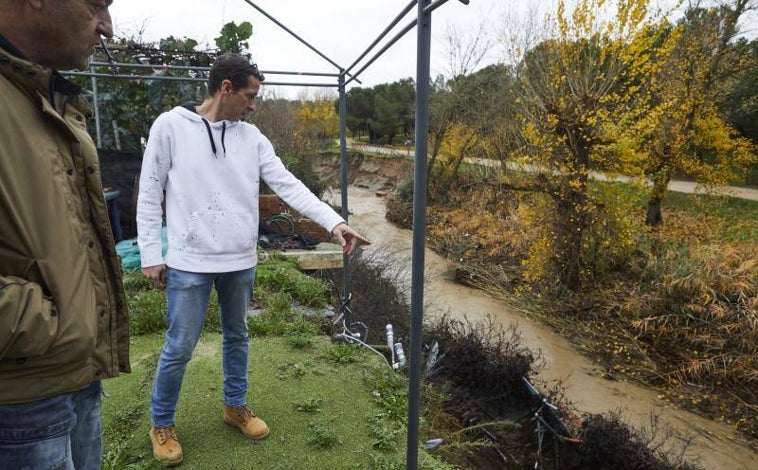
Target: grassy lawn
x,y
320,402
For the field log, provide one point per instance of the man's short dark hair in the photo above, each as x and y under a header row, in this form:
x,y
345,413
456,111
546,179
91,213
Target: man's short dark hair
x,y
232,67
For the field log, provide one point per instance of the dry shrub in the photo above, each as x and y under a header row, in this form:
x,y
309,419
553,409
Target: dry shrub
x,y
480,228
480,373
483,359
706,299
698,316
378,297
400,206
610,444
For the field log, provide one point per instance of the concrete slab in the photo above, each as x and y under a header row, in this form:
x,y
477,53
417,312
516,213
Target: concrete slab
x,y
324,256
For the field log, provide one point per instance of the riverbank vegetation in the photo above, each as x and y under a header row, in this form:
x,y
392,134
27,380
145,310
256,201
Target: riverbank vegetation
x,y
614,94
677,312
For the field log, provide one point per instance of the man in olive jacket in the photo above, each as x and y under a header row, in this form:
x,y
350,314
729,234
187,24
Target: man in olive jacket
x,y
63,319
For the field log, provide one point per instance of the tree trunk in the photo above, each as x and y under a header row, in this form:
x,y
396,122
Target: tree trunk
x,y
654,216
571,221
570,226
661,181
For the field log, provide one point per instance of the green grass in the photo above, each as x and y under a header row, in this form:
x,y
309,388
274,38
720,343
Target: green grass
x,y
280,275
739,216
322,413
729,208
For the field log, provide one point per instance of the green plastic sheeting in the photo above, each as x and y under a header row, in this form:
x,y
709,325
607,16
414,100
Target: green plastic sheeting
x,y
128,251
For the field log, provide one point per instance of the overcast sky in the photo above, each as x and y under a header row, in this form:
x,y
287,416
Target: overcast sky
x,y
340,29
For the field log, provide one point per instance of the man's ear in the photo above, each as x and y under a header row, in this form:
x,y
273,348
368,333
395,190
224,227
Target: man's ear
x,y
226,86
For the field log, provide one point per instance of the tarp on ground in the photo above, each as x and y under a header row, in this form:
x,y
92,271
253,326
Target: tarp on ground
x,y
128,251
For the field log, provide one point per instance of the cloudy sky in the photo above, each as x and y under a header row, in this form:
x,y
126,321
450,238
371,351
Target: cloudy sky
x,y
340,29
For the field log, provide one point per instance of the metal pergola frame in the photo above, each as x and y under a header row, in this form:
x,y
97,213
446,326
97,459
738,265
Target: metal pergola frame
x,y
423,24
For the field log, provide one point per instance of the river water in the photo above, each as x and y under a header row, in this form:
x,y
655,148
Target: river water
x,y
716,444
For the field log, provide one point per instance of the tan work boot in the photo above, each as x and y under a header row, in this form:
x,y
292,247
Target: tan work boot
x,y
244,420
166,446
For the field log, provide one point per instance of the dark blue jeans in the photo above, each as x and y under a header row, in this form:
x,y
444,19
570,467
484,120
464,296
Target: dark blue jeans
x,y
62,432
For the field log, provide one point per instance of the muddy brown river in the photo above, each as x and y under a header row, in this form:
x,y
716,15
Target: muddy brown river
x,y
716,445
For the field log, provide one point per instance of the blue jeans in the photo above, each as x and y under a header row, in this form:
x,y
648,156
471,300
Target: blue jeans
x,y
62,432
187,295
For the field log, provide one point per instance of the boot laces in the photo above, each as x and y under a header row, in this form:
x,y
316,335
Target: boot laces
x,y
165,434
244,413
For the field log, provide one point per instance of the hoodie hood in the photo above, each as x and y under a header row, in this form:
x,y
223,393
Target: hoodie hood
x,y
189,110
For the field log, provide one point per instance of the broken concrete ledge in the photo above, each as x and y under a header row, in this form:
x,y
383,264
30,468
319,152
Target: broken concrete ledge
x,y
324,256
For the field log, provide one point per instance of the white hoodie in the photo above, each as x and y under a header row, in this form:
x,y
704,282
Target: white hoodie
x,y
211,200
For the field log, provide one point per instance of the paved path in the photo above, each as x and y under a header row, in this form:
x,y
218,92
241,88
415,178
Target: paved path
x,y
678,186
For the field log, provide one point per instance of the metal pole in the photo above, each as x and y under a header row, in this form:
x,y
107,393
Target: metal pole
x,y
96,105
116,137
397,19
204,69
343,183
389,44
423,55
147,78
294,35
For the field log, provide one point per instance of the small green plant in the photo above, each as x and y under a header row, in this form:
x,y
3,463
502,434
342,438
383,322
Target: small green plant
x,y
291,370
384,436
280,303
300,333
147,305
265,325
119,433
276,317
134,281
299,341
390,391
395,462
321,435
341,354
213,314
310,405
387,462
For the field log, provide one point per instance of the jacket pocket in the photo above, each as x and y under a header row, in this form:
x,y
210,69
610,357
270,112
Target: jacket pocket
x,y
219,232
34,322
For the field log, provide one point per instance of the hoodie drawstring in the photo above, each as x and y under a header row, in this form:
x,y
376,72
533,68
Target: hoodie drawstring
x,y
210,136
223,133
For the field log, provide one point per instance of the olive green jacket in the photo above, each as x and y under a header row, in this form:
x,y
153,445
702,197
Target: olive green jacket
x,y
63,318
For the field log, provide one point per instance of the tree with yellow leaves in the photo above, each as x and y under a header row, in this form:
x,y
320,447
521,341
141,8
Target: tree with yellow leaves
x,y
685,133
579,94
317,122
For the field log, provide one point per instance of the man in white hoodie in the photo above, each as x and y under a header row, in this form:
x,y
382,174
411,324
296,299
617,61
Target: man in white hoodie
x,y
209,162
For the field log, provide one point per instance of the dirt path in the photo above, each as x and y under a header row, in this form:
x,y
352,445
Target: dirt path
x,y
716,444
677,186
